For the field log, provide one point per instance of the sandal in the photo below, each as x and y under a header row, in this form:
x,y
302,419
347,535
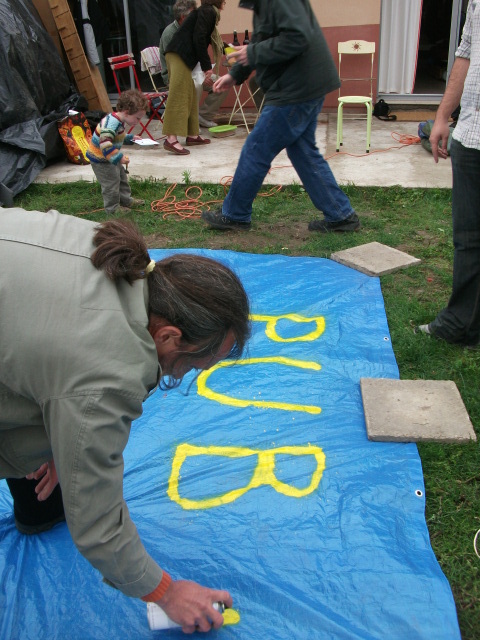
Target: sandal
x,y
192,141
170,146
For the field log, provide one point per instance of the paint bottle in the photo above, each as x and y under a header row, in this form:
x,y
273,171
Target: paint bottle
x,y
236,42
158,619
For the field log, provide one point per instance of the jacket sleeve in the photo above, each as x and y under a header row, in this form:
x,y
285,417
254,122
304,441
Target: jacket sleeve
x,y
289,39
202,34
88,433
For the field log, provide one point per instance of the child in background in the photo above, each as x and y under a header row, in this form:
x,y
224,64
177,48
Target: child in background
x,y
106,157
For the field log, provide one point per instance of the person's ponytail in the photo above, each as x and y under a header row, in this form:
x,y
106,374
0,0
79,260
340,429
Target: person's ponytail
x,y
121,251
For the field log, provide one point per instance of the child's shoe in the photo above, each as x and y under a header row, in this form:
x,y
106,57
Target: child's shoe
x,y
136,202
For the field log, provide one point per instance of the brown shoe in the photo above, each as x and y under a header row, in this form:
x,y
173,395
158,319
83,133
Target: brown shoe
x,y
119,211
169,146
191,142
136,202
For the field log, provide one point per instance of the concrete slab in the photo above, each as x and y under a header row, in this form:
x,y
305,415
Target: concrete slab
x,y
389,162
374,259
415,411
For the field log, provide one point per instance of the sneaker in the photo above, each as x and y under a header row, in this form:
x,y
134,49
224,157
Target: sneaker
x,y
352,223
206,124
135,202
423,328
216,220
119,211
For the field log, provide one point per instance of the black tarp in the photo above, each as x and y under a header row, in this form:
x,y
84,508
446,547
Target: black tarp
x,y
35,91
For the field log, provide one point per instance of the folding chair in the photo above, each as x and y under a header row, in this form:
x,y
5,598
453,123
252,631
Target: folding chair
x,y
156,99
355,48
152,64
247,101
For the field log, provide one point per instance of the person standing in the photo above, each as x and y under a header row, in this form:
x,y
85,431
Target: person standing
x,y
188,47
104,151
295,70
90,326
459,321
213,101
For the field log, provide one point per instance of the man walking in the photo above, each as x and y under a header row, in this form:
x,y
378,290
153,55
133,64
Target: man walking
x,y
459,321
295,70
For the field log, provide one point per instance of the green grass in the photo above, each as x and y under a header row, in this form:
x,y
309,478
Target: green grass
x,y
416,221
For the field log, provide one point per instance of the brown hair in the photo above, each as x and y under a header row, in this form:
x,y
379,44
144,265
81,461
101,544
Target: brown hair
x,y
215,3
132,101
200,296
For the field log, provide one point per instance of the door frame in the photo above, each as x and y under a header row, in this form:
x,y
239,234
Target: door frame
x,y
430,98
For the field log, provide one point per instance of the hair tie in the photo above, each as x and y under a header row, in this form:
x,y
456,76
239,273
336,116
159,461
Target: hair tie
x,y
150,267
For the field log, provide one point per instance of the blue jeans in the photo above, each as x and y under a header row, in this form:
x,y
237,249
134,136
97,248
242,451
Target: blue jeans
x,y
459,322
293,128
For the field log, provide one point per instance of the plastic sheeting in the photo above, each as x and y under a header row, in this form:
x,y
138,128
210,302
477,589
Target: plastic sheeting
x,y
33,85
262,481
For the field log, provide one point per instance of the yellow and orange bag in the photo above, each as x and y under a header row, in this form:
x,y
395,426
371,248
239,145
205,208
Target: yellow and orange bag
x,y
76,135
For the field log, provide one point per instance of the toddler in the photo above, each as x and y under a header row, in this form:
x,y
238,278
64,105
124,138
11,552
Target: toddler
x,y
105,155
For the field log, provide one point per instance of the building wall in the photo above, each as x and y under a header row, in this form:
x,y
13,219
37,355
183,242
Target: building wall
x,y
342,20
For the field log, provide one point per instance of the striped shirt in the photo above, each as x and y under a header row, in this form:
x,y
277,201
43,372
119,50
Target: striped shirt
x,y
107,140
467,131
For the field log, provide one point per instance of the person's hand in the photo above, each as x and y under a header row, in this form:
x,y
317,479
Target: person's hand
x,y
223,84
240,55
47,474
190,605
439,134
125,160
137,137
208,82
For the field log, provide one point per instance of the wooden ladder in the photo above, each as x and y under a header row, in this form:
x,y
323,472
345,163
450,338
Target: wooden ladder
x,y
87,76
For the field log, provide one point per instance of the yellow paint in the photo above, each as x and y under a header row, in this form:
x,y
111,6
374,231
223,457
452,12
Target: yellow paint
x,y
222,398
78,135
264,473
230,616
271,331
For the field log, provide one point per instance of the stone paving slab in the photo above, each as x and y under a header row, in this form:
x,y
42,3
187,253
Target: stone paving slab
x,y
415,411
374,259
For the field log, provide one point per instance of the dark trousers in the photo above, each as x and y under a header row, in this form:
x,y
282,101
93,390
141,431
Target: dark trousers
x,y
459,322
28,510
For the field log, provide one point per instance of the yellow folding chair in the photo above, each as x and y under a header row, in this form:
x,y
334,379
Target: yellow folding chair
x,y
355,48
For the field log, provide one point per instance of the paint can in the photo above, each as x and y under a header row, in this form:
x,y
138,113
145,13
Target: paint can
x,y
158,619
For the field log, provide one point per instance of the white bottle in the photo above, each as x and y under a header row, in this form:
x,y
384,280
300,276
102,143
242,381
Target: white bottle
x,y
158,619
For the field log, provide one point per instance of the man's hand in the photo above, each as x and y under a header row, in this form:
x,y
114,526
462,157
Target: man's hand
x,y
439,134
190,605
223,84
48,482
240,55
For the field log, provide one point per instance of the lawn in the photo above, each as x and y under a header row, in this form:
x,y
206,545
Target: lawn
x,y
416,221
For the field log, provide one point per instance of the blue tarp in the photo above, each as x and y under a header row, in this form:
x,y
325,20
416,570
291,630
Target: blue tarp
x,y
262,481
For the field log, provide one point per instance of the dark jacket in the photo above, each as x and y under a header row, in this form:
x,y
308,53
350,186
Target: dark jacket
x,y
192,39
289,53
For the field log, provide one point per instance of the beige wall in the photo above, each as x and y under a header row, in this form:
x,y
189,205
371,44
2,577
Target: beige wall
x,y
329,14
340,20
346,12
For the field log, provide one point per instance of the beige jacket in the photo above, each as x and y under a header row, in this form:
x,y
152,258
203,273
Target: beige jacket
x,y
76,363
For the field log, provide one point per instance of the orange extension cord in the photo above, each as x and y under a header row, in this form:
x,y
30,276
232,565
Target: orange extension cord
x,y
192,207
404,139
